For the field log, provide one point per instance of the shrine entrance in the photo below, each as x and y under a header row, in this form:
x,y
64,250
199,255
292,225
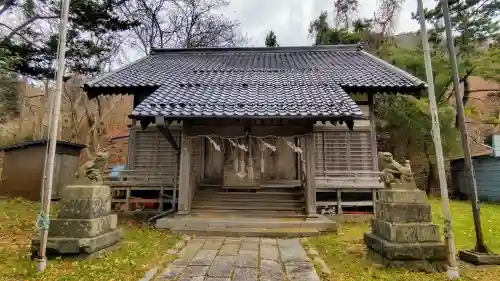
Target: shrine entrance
x,y
252,162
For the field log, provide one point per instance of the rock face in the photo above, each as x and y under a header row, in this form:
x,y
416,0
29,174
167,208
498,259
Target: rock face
x,y
403,235
84,225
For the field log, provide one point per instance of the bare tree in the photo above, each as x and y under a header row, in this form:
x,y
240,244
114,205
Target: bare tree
x,y
345,11
386,15
28,13
181,23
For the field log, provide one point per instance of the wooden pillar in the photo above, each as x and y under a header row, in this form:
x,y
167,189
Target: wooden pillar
x,y
373,131
185,176
310,176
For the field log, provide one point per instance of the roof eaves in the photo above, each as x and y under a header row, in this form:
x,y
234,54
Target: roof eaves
x,y
396,69
344,47
108,74
261,117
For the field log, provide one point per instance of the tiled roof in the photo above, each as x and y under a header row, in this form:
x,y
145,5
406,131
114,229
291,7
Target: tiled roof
x,y
328,101
305,81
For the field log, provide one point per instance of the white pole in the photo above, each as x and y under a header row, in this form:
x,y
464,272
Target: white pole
x,y
54,122
464,135
436,135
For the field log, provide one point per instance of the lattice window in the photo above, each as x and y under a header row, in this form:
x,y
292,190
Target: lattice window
x,y
152,152
341,151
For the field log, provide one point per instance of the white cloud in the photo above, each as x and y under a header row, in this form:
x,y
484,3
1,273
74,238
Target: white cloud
x,y
290,18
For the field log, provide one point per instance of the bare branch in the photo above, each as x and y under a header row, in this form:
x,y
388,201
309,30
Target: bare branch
x,y
20,27
6,6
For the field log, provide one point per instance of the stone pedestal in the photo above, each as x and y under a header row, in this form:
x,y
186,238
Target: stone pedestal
x,y
84,225
403,235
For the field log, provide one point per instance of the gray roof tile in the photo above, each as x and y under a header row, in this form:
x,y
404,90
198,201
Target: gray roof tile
x,y
305,81
249,101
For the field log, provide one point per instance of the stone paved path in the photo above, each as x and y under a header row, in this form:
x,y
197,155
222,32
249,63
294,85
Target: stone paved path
x,y
241,259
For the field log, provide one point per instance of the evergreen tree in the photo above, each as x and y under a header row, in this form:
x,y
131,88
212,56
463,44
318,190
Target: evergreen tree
x,y
271,39
9,91
93,29
474,22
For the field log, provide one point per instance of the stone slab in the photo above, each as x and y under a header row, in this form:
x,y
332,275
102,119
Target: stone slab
x,y
406,232
269,252
86,191
172,272
251,239
269,241
185,278
301,271
213,244
479,258
249,246
245,274
247,259
195,270
82,228
229,250
428,266
403,186
403,212
291,251
204,257
188,252
271,270
233,240
75,246
221,266
216,279
406,251
84,208
402,196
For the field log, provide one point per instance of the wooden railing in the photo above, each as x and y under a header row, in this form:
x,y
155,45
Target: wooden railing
x,y
348,182
351,179
128,181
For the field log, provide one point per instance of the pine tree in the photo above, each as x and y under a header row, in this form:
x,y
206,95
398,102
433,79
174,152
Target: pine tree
x,y
271,40
92,32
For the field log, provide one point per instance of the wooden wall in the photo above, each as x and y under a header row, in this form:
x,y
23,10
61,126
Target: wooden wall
x,y
487,173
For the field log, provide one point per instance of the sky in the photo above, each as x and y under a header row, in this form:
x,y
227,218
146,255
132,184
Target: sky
x,y
290,19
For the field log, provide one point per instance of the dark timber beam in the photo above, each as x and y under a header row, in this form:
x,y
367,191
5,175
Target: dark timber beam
x,y
145,123
162,127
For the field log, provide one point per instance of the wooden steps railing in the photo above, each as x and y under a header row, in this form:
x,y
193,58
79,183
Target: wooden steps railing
x,y
348,182
129,181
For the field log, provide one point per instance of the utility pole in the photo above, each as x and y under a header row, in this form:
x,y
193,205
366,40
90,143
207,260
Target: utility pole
x,y
436,135
469,169
54,122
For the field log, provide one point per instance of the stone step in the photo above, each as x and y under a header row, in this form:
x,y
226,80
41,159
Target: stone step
x,y
249,198
320,224
254,204
249,232
245,193
248,213
207,206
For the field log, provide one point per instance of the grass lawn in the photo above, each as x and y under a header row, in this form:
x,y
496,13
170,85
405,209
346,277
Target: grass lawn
x,y
141,249
345,253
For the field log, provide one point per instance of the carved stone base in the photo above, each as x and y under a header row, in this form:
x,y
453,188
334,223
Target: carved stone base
x,y
429,266
84,225
57,246
406,251
479,258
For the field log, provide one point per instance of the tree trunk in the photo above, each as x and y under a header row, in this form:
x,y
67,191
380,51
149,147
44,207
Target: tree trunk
x,y
432,179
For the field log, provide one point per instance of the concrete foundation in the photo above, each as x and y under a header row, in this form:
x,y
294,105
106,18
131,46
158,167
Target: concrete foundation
x,y
84,225
403,235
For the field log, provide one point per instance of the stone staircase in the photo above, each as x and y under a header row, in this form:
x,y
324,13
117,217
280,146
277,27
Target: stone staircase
x,y
266,212
270,202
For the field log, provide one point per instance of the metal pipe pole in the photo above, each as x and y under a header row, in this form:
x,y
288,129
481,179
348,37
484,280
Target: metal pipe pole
x,y
436,135
54,122
480,246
